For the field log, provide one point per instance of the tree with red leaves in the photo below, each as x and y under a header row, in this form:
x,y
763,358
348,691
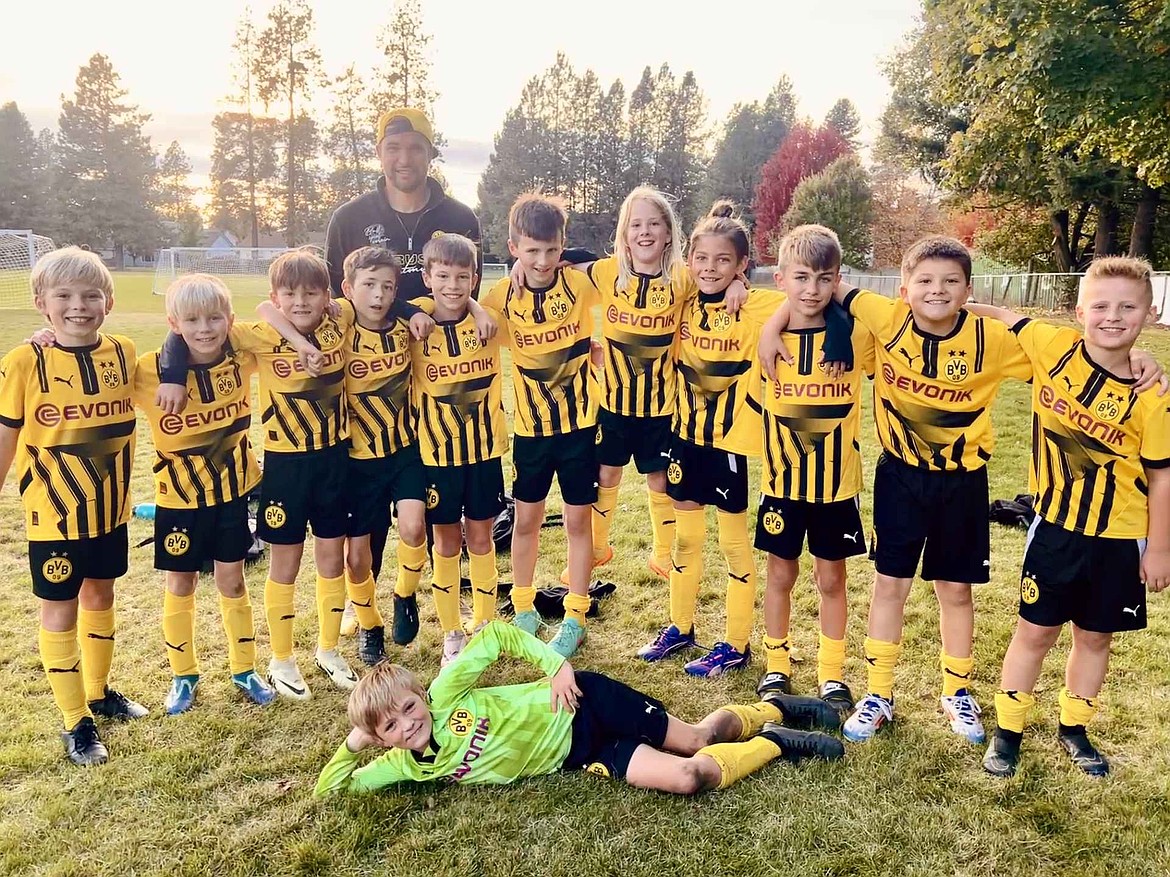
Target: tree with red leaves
x,y
804,152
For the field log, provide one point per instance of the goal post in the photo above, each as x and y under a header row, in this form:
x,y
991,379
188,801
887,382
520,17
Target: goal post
x,y
20,249
244,270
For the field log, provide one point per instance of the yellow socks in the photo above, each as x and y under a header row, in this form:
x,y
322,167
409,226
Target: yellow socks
x,y
741,577
881,657
778,653
738,760
662,525
411,560
1011,710
1076,710
603,520
95,630
576,605
484,577
687,569
956,673
278,608
752,717
524,599
61,658
240,630
365,605
330,606
178,623
445,589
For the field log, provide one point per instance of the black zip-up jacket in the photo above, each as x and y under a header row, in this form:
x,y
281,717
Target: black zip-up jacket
x,y
368,220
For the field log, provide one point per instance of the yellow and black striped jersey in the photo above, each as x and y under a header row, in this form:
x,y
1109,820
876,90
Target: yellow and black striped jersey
x,y
1091,437
203,457
75,412
812,423
456,384
933,393
638,327
299,412
550,332
717,403
377,388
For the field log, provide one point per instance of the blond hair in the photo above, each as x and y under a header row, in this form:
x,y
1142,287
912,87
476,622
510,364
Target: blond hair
x,y
1138,270
297,269
672,255
71,265
936,247
449,249
813,246
380,691
538,216
198,295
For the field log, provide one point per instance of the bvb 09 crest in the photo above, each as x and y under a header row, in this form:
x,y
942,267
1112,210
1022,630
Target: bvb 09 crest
x,y
109,374
57,569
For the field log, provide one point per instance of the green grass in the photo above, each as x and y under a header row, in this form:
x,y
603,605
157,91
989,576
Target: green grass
x,y
226,789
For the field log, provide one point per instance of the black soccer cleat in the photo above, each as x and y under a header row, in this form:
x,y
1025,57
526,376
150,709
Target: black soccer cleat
x,y
839,697
799,745
115,705
774,682
405,620
1002,757
371,645
83,746
804,712
1083,753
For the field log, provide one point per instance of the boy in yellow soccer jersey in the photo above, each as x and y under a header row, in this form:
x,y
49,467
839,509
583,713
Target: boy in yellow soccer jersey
x,y
812,464
204,470
67,421
548,324
1101,474
456,386
567,721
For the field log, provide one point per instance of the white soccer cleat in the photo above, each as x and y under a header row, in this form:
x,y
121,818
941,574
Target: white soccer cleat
x,y
453,644
872,713
348,620
286,678
963,713
337,669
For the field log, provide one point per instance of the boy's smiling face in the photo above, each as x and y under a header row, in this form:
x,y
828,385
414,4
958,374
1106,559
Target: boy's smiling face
x,y
204,334
406,727
809,290
936,291
539,259
304,306
1113,311
75,311
451,286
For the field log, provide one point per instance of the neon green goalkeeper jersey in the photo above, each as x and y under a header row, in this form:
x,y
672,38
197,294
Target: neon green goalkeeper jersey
x,y
483,735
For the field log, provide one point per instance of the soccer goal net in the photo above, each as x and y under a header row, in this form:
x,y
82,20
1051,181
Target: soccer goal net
x,y
19,251
243,269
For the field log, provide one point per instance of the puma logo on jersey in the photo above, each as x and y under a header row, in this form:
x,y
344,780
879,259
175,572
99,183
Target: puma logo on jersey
x,y
909,358
1069,384
66,381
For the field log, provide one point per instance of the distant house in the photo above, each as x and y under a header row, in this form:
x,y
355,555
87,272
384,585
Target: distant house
x,y
218,239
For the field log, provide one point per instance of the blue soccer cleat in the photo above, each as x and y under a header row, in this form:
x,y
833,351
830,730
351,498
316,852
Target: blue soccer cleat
x,y
669,640
569,637
181,697
722,658
254,687
528,621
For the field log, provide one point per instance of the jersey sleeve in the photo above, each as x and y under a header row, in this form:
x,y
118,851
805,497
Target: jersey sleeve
x,y
603,273
342,773
145,380
1014,360
1155,450
761,304
583,286
14,375
253,336
873,310
497,295
864,349
174,357
1035,336
485,648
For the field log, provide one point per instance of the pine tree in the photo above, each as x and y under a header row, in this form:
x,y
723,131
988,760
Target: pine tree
x,y
843,119
20,183
349,139
404,79
243,168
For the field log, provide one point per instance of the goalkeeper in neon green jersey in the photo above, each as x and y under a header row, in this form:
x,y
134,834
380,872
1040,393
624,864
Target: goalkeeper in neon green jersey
x,y
567,721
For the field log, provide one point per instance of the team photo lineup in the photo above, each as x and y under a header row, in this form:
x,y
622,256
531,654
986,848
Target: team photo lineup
x,y
446,498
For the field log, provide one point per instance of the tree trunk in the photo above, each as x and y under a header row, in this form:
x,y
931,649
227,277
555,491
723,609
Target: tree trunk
x,y
1141,238
1108,218
1078,256
290,233
1061,251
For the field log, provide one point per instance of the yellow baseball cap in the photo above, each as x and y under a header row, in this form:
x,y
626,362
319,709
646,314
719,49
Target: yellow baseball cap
x,y
402,119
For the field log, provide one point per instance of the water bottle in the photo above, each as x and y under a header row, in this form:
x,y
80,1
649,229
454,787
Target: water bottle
x,y
145,511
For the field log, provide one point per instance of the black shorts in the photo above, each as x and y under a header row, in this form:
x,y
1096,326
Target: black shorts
x,y
707,476
59,567
572,457
834,529
940,517
1094,582
622,436
374,484
612,720
300,489
474,491
185,539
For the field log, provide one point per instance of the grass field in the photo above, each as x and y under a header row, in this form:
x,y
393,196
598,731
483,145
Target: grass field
x,y
226,789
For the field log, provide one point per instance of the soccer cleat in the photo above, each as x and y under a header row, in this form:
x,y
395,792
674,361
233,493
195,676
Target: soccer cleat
x,y
798,745
83,746
348,620
1002,757
804,712
181,697
774,681
963,713
254,687
663,572
871,714
528,621
285,676
1083,753
336,668
115,705
669,640
602,561
405,627
371,645
838,696
722,658
453,644
569,637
